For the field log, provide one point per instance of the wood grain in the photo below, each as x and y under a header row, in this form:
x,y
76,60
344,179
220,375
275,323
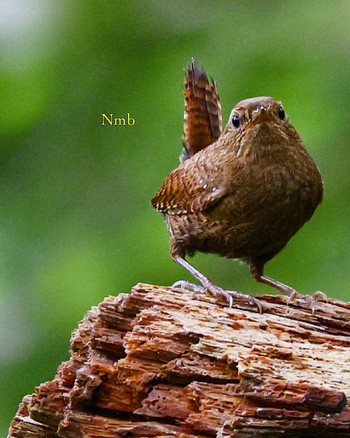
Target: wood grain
x,y
165,362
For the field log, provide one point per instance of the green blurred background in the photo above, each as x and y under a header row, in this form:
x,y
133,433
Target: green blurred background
x,y
76,223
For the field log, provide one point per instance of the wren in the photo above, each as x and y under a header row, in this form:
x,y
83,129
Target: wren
x,y
244,195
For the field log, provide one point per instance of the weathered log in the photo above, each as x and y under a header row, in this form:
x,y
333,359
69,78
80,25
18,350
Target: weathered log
x,y
165,362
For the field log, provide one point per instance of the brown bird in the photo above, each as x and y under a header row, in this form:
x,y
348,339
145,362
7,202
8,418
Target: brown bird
x,y
243,196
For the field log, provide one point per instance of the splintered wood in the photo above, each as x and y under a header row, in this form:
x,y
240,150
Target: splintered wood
x,y
165,362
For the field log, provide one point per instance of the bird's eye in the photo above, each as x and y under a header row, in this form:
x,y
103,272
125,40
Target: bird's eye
x,y
281,113
235,121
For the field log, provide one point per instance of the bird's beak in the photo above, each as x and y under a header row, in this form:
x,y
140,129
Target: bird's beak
x,y
261,115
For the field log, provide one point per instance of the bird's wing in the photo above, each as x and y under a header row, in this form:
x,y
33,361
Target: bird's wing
x,y
188,190
202,116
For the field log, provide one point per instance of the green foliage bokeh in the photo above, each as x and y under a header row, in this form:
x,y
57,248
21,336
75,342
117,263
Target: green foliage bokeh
x,y
76,223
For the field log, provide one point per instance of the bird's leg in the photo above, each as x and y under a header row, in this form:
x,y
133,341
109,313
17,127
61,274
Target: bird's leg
x,y
257,272
207,284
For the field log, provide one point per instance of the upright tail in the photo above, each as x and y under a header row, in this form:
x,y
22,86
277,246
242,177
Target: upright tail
x,y
202,116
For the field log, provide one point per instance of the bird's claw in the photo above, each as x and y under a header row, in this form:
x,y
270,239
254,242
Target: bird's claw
x,y
230,295
311,300
183,284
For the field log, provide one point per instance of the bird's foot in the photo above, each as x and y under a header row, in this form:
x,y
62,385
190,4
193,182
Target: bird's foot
x,y
310,300
228,295
292,294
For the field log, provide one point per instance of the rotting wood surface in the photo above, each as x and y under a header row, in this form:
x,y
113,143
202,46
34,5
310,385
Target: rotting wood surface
x,y
165,362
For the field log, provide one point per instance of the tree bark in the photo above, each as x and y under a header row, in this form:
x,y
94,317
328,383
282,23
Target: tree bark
x,y
165,362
